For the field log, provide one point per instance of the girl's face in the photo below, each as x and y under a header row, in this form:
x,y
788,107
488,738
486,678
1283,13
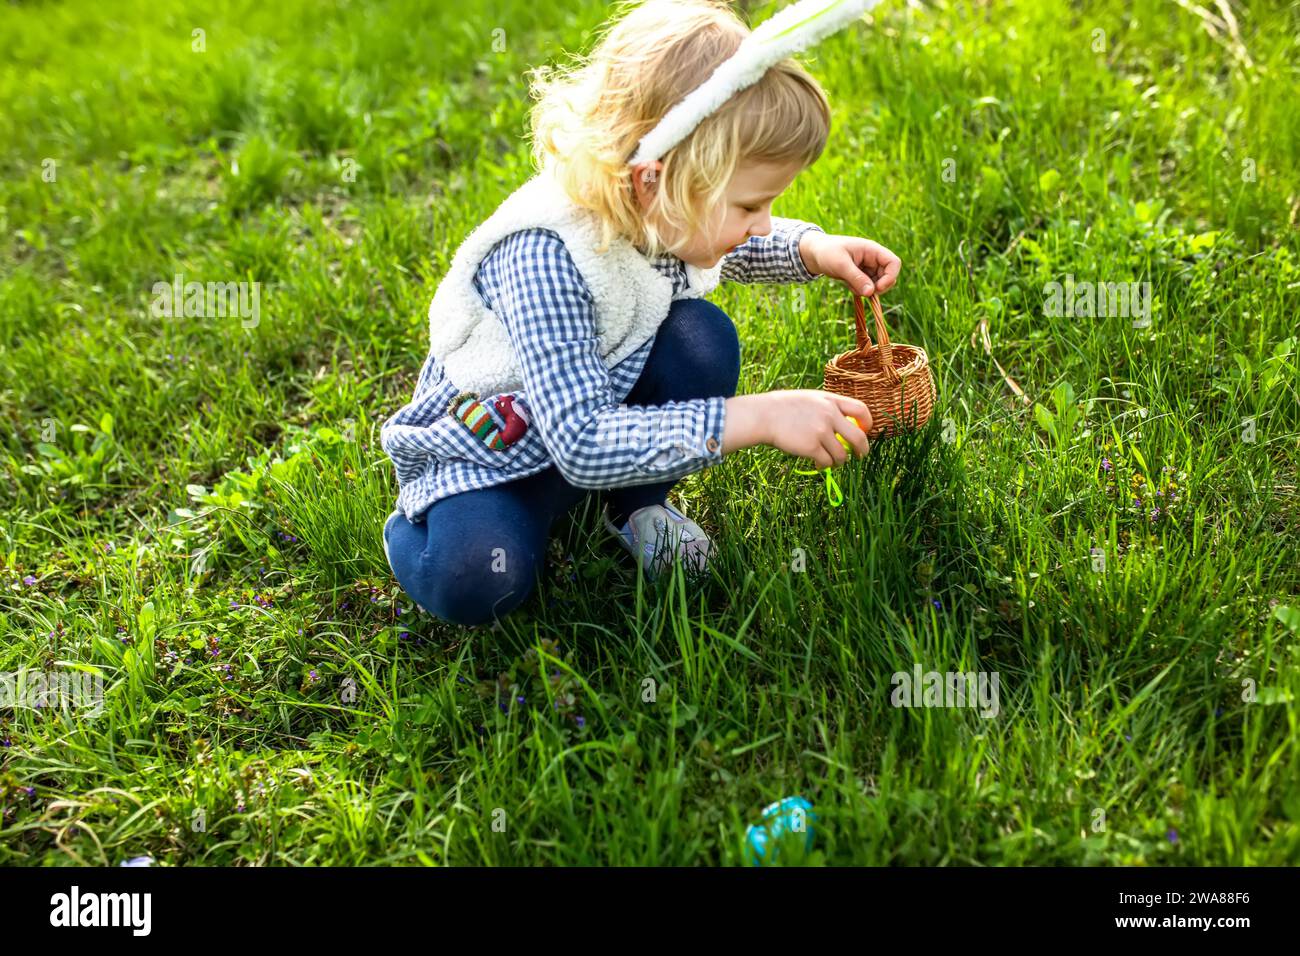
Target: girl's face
x,y
746,209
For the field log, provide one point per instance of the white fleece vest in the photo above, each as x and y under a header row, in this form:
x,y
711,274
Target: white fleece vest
x,y
632,298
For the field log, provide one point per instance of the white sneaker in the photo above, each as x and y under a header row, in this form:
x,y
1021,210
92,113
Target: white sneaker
x,y
658,534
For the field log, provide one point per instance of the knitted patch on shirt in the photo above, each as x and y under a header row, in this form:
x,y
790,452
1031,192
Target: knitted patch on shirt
x,y
497,427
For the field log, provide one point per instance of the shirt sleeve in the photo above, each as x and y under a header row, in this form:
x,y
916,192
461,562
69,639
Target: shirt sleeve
x,y
550,315
771,258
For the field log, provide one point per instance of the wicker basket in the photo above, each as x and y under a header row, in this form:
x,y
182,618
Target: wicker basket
x,y
893,381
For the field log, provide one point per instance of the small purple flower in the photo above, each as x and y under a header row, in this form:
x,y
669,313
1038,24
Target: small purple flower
x,y
938,605
521,700
581,721
29,580
1155,513
30,790
1106,464
1172,835
405,635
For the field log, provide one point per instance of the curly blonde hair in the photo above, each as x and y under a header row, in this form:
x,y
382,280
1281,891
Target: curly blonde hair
x,y
589,118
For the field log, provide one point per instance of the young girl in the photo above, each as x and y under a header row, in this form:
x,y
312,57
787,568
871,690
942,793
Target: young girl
x,y
571,347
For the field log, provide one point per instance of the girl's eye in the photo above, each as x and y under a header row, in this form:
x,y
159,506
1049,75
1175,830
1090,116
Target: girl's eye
x,y
750,208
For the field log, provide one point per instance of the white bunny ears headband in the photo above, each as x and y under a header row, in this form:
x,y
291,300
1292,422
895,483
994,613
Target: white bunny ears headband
x,y
790,31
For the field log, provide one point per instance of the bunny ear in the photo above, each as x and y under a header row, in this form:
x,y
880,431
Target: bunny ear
x,y
790,31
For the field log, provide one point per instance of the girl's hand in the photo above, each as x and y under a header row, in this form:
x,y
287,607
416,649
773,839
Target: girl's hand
x,y
803,422
866,267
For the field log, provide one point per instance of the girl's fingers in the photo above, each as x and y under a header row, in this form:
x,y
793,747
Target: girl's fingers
x,y
855,436
835,450
856,408
892,264
883,266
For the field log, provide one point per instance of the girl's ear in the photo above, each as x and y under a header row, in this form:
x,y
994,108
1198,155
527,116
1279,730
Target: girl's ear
x,y
645,181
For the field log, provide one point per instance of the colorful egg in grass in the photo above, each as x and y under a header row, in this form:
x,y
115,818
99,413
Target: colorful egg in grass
x,y
782,822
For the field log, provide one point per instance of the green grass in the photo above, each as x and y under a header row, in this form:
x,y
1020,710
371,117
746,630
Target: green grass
x,y
178,486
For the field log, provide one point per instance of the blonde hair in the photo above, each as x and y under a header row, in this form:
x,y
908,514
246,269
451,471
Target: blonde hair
x,y
589,118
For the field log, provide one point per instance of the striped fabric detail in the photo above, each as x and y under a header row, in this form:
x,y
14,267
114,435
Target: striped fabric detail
x,y
479,421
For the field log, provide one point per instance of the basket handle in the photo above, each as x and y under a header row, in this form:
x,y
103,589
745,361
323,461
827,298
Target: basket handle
x,y
882,334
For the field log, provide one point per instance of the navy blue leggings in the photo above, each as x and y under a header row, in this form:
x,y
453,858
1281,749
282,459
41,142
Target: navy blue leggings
x,y
477,555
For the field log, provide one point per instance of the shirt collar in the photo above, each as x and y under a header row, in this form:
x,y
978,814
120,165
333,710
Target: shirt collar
x,y
672,267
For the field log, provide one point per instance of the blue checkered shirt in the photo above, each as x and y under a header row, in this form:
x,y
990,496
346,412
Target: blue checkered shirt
x,y
573,400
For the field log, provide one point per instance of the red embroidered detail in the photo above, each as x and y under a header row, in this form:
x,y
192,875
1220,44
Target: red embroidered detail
x,y
513,414
497,425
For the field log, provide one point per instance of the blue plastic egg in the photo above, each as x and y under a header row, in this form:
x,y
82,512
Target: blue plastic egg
x,y
786,816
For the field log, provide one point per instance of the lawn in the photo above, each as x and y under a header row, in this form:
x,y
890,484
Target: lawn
x,y
191,505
